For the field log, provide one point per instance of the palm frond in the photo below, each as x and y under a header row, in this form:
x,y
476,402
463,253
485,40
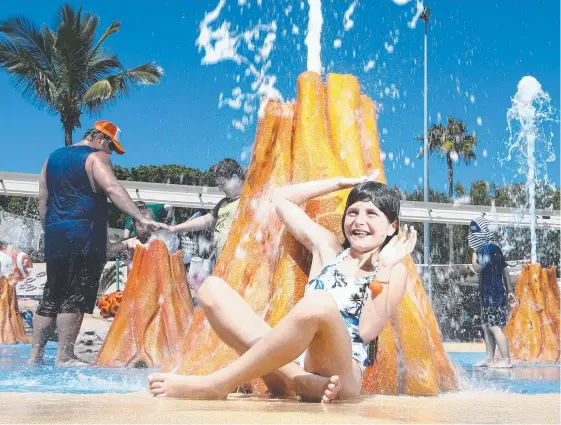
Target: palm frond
x,y
75,37
101,66
468,157
101,90
146,74
447,146
88,29
23,32
106,90
112,29
28,76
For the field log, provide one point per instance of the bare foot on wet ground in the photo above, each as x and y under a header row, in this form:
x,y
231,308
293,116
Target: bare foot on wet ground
x,y
484,363
312,387
71,362
183,386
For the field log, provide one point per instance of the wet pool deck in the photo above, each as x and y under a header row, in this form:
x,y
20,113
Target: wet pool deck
x,y
141,408
464,407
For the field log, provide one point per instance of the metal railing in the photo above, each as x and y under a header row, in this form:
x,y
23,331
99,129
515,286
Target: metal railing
x,y
22,184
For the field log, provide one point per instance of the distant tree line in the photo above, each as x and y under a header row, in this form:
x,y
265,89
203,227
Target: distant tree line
x,y
515,241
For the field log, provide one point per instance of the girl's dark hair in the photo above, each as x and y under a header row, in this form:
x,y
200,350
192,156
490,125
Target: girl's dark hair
x,y
227,168
383,198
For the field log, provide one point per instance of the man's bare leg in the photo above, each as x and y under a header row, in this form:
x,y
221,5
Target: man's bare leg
x,y
314,322
68,325
225,309
43,326
489,349
502,343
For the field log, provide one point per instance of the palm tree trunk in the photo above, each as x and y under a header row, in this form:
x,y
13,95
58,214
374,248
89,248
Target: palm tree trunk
x,y
451,199
67,134
68,123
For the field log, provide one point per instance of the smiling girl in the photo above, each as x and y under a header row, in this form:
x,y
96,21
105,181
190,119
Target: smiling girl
x,y
322,346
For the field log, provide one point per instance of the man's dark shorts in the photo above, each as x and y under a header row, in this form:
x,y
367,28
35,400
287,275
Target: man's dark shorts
x,y
494,316
72,285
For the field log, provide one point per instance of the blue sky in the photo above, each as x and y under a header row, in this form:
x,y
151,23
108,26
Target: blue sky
x,y
478,51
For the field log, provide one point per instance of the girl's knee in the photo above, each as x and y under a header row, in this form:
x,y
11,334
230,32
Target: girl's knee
x,y
319,304
209,291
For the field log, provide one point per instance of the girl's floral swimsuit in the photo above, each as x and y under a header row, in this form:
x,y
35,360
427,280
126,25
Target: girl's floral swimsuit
x,y
350,294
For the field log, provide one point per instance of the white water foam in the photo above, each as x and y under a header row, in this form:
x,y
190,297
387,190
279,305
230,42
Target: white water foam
x,y
170,239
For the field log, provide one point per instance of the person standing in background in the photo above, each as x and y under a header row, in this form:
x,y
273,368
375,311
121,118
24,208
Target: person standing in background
x,y
74,185
494,289
230,178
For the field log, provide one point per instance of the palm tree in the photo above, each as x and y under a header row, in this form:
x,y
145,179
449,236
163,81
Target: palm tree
x,y
454,144
66,70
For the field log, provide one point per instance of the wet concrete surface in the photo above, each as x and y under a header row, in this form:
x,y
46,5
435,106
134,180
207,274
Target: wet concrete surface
x,y
476,407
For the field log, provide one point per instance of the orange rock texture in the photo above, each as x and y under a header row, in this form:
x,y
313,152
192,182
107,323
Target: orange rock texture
x,y
533,329
153,318
330,131
11,324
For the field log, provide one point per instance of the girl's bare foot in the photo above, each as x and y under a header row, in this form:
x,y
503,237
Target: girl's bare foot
x,y
312,387
484,363
182,386
332,389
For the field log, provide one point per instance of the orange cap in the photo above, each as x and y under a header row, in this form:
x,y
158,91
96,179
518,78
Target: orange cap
x,y
111,130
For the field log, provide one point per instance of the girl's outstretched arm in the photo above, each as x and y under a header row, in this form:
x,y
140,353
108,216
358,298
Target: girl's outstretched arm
x,y
378,309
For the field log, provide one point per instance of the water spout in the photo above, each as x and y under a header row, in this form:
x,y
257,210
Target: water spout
x,y
530,107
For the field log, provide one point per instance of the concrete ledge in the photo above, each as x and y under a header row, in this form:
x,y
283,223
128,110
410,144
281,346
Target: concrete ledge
x,y
464,347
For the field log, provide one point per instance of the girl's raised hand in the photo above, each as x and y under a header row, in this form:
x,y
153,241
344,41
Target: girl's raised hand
x,y
345,182
399,247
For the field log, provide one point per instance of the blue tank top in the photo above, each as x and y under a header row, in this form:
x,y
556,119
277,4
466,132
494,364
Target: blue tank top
x,y
491,288
76,219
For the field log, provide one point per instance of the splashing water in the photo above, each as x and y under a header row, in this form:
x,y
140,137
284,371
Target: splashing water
x,y
170,239
348,23
313,39
248,49
531,109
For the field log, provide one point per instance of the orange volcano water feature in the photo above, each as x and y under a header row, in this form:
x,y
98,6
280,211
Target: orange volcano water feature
x,y
153,318
11,324
330,131
533,329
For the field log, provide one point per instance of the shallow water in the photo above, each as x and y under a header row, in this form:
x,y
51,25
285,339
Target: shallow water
x,y
521,379
17,376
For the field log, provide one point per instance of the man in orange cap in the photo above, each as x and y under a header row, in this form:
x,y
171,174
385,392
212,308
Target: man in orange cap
x,y
74,185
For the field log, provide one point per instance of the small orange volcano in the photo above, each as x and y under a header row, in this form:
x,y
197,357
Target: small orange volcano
x,y
153,318
11,324
533,329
